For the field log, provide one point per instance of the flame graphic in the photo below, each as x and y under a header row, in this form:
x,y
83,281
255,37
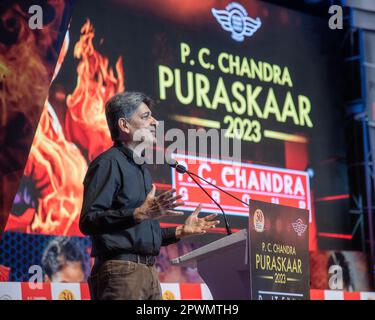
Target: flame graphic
x,y
85,121
24,80
24,76
24,71
57,167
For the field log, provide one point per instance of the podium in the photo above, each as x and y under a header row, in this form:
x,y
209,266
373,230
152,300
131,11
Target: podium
x,y
267,261
223,265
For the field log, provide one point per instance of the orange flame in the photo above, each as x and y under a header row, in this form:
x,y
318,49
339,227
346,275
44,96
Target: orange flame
x,y
24,82
57,167
24,71
55,163
24,76
85,122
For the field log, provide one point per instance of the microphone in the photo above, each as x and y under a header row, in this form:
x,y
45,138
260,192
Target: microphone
x,y
179,167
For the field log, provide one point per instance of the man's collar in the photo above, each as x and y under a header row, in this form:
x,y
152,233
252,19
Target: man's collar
x,y
128,152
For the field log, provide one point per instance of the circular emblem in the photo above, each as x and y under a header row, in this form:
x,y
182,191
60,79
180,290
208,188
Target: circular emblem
x,y
168,295
258,220
66,295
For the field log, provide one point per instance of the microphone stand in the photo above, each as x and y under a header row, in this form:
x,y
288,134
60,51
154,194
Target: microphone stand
x,y
182,169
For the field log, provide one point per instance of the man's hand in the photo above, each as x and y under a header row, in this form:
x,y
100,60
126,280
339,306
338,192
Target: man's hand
x,y
155,207
194,225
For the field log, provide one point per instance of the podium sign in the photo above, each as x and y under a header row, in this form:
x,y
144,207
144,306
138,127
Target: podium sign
x,y
278,252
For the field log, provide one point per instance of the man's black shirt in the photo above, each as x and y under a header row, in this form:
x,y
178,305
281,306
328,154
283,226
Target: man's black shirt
x,y
114,187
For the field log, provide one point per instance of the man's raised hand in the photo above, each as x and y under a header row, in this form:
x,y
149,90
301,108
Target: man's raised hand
x,y
195,225
155,207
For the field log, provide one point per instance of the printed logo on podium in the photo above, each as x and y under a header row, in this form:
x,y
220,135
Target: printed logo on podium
x,y
259,220
299,227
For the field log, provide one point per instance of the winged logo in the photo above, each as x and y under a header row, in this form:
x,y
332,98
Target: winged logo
x,y
299,227
234,18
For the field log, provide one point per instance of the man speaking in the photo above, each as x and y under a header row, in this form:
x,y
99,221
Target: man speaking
x,y
120,208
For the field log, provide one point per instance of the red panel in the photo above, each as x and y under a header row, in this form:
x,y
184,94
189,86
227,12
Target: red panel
x,y
335,235
296,156
190,291
313,241
85,292
316,294
333,198
22,223
4,273
352,296
36,294
242,180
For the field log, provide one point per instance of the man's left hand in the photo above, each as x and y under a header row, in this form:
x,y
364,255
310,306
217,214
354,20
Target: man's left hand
x,y
195,225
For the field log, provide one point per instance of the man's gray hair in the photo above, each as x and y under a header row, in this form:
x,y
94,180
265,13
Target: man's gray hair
x,y
123,105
